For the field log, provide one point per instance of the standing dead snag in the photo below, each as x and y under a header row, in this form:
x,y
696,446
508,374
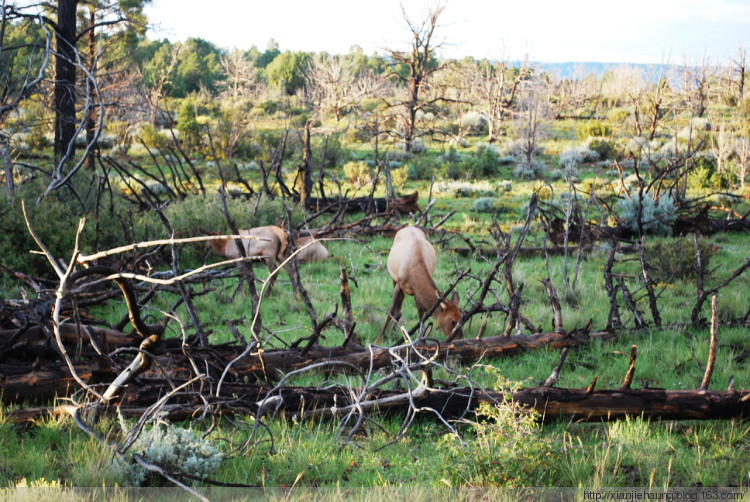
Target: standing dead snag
x,y
558,323
613,318
712,347
550,382
631,368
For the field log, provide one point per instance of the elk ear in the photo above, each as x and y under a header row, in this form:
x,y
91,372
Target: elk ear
x,y
454,297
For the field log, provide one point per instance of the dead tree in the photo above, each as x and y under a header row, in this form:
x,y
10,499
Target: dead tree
x,y
422,64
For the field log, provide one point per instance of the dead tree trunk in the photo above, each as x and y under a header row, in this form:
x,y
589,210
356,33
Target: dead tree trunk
x,y
550,402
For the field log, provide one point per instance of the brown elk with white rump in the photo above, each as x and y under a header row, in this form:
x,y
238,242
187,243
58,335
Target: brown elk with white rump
x,y
268,243
271,244
410,263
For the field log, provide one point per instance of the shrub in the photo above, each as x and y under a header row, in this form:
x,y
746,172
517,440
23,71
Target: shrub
x,y
457,141
474,122
417,147
268,107
358,173
187,124
450,156
174,450
152,138
597,184
675,258
37,140
508,449
703,174
335,153
570,173
537,170
593,128
604,148
465,188
555,175
399,176
636,145
484,205
455,171
618,115
745,108
657,215
505,186
570,157
420,168
485,163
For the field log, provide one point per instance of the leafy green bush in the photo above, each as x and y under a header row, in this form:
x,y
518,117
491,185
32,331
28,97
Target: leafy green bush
x,y
358,173
335,153
603,147
675,258
187,124
267,107
657,215
399,176
484,163
508,449
152,138
420,168
455,171
54,218
594,128
618,115
703,175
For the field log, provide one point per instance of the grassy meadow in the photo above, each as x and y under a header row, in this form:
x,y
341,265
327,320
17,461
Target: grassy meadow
x,y
506,447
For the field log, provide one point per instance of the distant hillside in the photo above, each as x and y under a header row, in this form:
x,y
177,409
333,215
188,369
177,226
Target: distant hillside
x,y
581,69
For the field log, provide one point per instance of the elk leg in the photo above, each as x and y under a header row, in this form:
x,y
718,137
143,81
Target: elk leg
x,y
271,264
394,311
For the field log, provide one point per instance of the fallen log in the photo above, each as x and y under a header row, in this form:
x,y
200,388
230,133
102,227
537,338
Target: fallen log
x,y
34,386
550,402
406,204
529,251
28,383
37,335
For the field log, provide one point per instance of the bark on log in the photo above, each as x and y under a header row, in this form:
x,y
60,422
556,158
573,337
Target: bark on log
x,y
21,383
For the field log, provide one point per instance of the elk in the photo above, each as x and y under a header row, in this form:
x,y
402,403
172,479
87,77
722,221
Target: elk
x,y
410,264
310,250
269,243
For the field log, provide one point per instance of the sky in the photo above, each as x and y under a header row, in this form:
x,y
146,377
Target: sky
x,y
611,31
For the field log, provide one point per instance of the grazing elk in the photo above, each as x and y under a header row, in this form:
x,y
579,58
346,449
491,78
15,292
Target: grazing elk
x,y
310,250
410,263
269,242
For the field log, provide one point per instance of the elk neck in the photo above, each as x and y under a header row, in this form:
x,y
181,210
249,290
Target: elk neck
x,y
426,292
